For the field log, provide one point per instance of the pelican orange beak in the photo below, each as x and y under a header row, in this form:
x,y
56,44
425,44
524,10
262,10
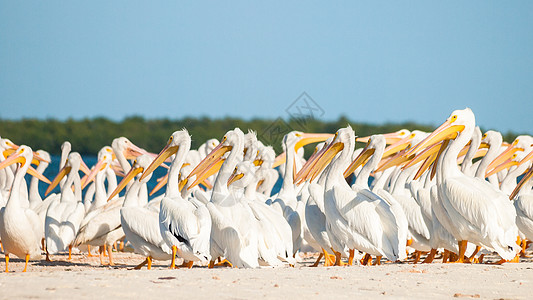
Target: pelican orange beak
x,y
361,159
391,138
279,160
423,155
234,177
165,153
305,139
465,149
62,173
38,175
396,160
84,168
259,183
258,162
327,156
100,165
132,151
12,148
18,158
161,182
398,146
212,169
117,169
462,153
131,174
527,157
8,152
479,153
306,168
505,165
525,179
505,155
210,164
431,160
309,138
37,159
182,184
446,131
13,158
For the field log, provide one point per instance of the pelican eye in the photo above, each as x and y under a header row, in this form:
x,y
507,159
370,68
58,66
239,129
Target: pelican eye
x,y
484,136
454,117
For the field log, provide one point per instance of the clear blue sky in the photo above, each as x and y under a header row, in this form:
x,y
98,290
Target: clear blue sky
x,y
373,61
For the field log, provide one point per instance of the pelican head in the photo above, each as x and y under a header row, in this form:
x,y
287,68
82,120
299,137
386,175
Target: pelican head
x,y
178,140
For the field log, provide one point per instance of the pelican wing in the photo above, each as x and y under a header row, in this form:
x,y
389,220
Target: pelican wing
x,y
359,214
99,226
144,223
476,202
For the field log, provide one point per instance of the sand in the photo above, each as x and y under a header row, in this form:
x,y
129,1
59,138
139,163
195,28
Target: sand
x,y
84,278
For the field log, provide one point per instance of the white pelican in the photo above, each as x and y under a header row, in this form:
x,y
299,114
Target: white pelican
x,y
289,201
101,225
233,231
274,233
65,214
39,205
184,225
523,201
314,214
389,208
20,228
476,211
357,217
141,224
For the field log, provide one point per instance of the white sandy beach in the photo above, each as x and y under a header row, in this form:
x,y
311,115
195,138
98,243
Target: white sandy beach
x,y
83,277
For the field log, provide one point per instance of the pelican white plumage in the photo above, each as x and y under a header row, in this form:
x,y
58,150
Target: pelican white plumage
x,y
395,224
184,225
357,217
291,200
141,224
37,204
314,213
476,211
101,225
523,202
65,214
270,242
233,232
20,228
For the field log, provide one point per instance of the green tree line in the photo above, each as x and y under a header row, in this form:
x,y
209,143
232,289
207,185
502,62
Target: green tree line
x,y
87,136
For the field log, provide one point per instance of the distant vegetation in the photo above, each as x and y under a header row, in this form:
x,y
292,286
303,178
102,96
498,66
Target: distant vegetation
x,y
89,135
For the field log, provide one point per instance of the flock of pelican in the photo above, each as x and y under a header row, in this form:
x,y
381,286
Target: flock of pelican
x,y
452,191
